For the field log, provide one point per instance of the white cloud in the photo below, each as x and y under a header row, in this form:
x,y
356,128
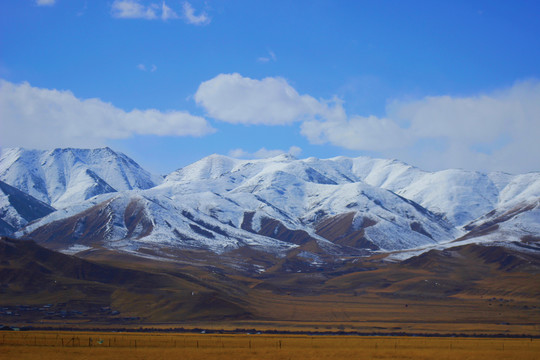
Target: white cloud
x,y
264,153
167,13
45,2
493,131
358,133
481,118
505,123
143,67
271,101
135,9
43,118
496,131
265,59
141,9
191,18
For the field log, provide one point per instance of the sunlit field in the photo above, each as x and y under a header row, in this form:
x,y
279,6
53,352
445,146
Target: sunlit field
x,y
96,346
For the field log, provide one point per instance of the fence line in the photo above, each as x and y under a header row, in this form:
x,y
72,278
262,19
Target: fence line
x,y
251,341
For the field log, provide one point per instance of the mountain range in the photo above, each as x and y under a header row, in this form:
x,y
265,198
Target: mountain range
x,y
84,200
344,242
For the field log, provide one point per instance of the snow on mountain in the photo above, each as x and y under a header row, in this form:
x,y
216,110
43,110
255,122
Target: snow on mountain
x,y
343,205
296,187
515,220
300,194
17,209
520,188
460,195
139,221
514,225
64,177
221,204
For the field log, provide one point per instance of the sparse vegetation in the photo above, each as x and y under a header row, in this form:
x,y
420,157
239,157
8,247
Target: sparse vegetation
x,y
97,346
466,291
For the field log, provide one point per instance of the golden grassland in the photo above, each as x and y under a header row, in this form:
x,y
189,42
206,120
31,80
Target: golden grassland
x,y
134,346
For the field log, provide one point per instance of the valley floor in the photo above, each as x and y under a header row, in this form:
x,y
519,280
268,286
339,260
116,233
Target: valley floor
x,y
471,291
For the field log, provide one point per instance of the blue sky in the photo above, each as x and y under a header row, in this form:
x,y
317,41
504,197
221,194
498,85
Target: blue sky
x,y
437,84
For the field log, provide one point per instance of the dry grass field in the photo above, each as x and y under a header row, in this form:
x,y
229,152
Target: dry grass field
x,y
156,346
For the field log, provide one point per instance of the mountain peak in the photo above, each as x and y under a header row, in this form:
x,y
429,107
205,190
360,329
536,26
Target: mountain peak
x,y
284,157
64,176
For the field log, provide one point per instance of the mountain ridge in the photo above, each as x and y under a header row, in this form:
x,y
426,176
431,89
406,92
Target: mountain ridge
x,y
344,205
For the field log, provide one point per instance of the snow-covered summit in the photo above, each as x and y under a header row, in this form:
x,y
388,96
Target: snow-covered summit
x,y
62,177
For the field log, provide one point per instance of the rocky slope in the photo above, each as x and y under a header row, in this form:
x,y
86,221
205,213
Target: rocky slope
x,y
18,209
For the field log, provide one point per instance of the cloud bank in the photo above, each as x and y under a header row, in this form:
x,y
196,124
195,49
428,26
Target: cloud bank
x,y
493,131
43,118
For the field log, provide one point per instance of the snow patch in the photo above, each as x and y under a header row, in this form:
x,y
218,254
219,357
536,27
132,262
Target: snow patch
x,y
74,249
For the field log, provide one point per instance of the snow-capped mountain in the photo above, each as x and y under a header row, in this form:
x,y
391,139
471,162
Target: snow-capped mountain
x,y
516,221
135,221
64,177
301,196
220,203
18,209
459,195
335,206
